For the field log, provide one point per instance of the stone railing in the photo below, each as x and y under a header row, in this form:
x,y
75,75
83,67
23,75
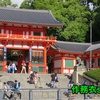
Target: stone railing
x,y
82,77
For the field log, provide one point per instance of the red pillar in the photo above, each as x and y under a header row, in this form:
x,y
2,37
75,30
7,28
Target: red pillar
x,y
45,60
62,67
30,60
29,67
4,66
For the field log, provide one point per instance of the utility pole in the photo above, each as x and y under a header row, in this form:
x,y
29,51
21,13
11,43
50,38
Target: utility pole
x,y
91,44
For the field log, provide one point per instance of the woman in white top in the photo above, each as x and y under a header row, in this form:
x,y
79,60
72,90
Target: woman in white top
x,y
5,87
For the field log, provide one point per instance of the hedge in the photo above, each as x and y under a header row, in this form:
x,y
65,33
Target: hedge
x,y
95,74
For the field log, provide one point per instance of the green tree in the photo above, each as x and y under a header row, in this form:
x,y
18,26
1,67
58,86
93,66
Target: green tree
x,y
96,25
6,3
95,18
73,13
27,4
77,21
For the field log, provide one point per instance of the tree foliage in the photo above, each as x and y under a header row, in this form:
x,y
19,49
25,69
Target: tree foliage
x,y
96,25
27,4
7,3
75,14
95,18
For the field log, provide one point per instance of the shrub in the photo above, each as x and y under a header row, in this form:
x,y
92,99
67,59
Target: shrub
x,y
95,74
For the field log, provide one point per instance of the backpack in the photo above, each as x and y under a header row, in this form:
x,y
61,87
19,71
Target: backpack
x,y
17,85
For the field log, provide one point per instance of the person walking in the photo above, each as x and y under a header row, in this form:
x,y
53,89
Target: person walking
x,y
71,96
5,87
15,90
23,67
32,76
56,80
52,80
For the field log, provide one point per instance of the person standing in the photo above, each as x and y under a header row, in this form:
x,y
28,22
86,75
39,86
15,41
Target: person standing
x,y
47,69
85,95
9,68
13,67
36,79
23,67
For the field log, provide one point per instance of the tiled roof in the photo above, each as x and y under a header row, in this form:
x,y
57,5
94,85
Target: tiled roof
x,y
71,46
93,47
36,17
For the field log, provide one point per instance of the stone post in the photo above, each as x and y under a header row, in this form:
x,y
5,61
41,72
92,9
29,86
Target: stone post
x,y
1,85
77,71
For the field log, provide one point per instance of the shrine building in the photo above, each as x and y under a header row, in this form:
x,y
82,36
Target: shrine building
x,y
23,37
65,54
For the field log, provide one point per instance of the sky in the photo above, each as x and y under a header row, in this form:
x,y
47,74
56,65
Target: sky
x,y
18,2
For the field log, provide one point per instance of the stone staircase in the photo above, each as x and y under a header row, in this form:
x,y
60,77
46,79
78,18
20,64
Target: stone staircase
x,y
23,78
41,94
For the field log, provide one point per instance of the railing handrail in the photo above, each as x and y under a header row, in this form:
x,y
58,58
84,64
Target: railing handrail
x,y
38,89
31,91
21,36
